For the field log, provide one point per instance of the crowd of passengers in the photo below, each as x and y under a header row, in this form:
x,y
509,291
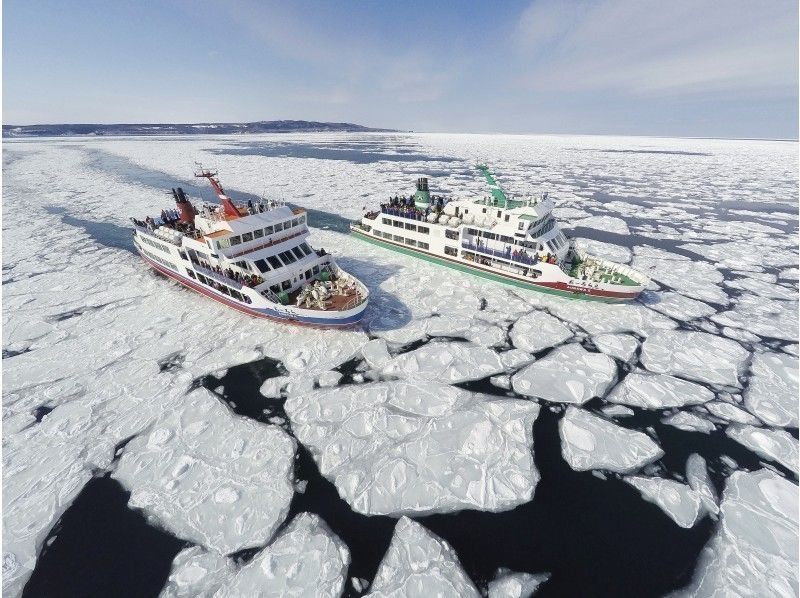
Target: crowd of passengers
x,y
169,218
520,255
248,280
404,207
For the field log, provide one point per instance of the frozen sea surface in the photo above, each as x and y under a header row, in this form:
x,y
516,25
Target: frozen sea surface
x,y
242,447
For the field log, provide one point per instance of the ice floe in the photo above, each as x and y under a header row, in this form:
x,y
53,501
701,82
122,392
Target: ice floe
x,y
754,550
419,563
656,391
305,559
699,481
765,317
615,253
538,330
775,445
617,411
678,501
676,305
570,374
621,346
451,362
730,413
591,442
696,279
689,422
695,355
509,584
611,224
773,390
208,476
419,447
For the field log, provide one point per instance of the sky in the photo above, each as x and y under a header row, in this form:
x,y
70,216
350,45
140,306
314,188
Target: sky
x,y
691,68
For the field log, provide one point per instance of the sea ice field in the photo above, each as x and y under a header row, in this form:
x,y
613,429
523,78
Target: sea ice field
x,y
468,439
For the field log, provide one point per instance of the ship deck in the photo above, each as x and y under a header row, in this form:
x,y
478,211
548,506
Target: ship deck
x,y
333,303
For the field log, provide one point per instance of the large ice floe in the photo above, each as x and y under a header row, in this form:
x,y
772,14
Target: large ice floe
x,y
678,501
570,374
621,346
695,355
754,550
509,584
538,330
765,317
419,446
419,564
774,445
451,362
773,389
656,391
217,479
591,442
305,559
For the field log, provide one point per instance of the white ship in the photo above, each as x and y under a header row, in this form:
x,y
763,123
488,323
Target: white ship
x,y
253,258
514,241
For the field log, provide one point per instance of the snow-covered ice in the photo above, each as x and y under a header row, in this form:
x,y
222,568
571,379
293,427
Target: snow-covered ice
x,y
695,355
730,412
419,564
537,331
570,374
689,422
211,477
699,481
656,391
450,362
419,447
754,551
197,573
774,445
591,442
677,306
510,584
678,501
773,389
621,346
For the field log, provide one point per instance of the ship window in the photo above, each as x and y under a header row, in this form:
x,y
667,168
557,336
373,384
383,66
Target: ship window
x,y
302,219
315,269
224,243
279,227
520,226
268,230
236,295
295,222
423,245
398,224
285,285
247,237
275,288
386,221
257,234
499,213
451,234
298,253
224,289
236,240
309,274
398,238
287,257
451,251
410,242
472,231
306,249
410,226
191,274
262,266
423,229
484,210
507,217
274,262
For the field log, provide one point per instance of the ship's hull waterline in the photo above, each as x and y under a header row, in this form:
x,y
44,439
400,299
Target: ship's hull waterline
x,y
559,288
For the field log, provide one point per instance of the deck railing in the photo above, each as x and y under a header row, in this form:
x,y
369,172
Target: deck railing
x,y
506,255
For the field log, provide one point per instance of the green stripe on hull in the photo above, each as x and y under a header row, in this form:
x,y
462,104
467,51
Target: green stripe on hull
x,y
481,273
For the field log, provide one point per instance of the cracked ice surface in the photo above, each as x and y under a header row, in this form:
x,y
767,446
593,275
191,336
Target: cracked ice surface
x,y
419,447
656,391
305,559
676,305
418,564
570,374
689,422
538,330
754,551
775,445
208,476
764,317
678,501
591,442
773,390
696,355
451,362
697,279
697,477
621,346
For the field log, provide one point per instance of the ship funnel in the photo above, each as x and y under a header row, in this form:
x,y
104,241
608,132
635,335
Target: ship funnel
x,y
422,198
184,205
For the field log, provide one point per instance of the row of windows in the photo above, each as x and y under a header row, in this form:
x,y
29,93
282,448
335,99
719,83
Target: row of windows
x,y
483,211
155,258
558,241
286,284
152,243
284,258
490,236
214,284
261,232
399,239
406,225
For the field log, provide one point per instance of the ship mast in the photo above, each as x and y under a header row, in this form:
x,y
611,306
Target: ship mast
x,y
227,204
497,192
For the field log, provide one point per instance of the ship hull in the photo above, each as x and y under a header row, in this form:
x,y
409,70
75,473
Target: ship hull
x,y
338,319
554,287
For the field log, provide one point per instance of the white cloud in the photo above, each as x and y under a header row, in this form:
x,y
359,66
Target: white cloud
x,y
656,47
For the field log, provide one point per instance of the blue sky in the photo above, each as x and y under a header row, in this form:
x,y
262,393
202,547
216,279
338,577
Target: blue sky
x,y
647,67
